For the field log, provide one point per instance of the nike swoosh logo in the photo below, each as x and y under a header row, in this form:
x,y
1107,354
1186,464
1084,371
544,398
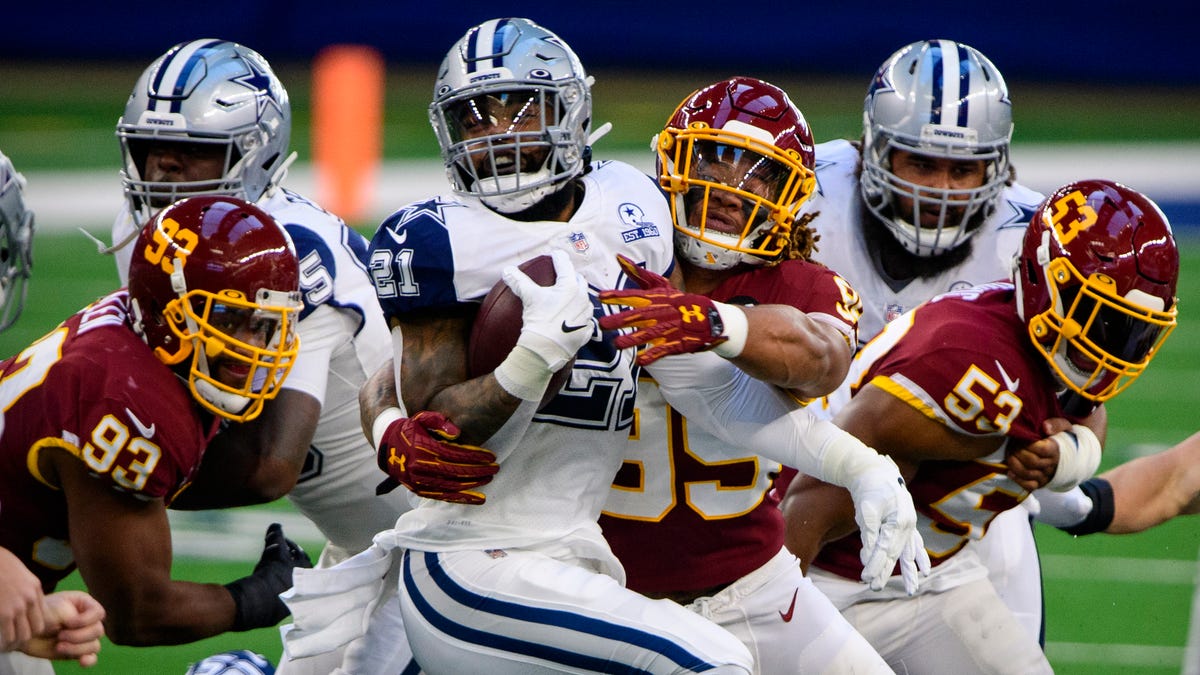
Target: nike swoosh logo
x,y
567,328
147,431
1008,381
787,616
400,237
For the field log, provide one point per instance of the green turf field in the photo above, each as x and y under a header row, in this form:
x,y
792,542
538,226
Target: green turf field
x,y
1115,605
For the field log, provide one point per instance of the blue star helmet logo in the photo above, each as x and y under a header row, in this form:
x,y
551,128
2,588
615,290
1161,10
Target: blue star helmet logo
x,y
1019,215
258,81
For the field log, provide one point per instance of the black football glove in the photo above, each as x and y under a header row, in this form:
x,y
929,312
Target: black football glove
x,y
256,596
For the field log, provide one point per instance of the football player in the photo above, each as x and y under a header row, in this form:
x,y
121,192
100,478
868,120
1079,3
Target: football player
x,y
16,243
523,581
537,519
1091,298
927,202
211,117
108,416
689,521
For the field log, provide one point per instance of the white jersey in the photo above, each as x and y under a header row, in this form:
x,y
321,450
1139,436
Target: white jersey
x,y
344,339
843,247
451,250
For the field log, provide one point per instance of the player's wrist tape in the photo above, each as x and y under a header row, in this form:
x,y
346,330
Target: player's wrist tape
x,y
1100,517
736,328
256,603
523,374
382,421
1078,457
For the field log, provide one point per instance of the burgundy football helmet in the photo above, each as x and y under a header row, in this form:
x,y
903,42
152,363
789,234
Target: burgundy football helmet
x,y
216,279
740,141
1095,281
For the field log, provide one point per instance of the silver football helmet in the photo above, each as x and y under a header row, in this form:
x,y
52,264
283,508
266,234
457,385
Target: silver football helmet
x,y
943,99
212,92
16,243
512,108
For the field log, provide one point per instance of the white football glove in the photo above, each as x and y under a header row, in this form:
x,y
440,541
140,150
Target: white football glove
x,y
556,320
887,522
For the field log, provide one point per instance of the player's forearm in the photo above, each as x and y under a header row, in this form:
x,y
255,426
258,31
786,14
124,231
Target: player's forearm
x,y
1153,489
176,612
377,394
789,349
756,418
815,513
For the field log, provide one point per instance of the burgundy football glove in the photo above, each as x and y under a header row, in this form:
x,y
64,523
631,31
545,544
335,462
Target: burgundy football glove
x,y
417,452
668,320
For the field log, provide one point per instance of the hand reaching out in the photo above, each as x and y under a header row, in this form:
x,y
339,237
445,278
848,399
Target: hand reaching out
x,y
667,320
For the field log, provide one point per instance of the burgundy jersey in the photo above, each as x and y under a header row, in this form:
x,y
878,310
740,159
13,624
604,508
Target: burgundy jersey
x,y
965,360
93,388
684,513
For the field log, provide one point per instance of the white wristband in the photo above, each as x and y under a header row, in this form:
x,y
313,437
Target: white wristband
x,y
736,329
382,421
1078,457
523,374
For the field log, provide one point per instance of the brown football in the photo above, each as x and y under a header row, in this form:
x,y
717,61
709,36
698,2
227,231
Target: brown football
x,y
498,325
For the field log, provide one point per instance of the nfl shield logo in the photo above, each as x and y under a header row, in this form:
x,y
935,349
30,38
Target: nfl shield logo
x,y
579,241
891,311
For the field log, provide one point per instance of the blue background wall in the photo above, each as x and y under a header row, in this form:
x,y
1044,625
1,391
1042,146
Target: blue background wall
x,y
1101,42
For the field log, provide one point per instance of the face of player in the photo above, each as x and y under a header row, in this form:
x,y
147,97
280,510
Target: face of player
x,y
938,173
733,170
509,126
180,162
248,329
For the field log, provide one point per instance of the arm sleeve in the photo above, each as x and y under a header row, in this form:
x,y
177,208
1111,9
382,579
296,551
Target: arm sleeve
x,y
760,419
321,332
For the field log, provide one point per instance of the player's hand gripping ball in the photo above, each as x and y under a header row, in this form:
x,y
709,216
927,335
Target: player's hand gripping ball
x,y
498,326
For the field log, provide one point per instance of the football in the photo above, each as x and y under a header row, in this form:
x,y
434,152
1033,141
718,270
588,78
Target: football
x,y
498,325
